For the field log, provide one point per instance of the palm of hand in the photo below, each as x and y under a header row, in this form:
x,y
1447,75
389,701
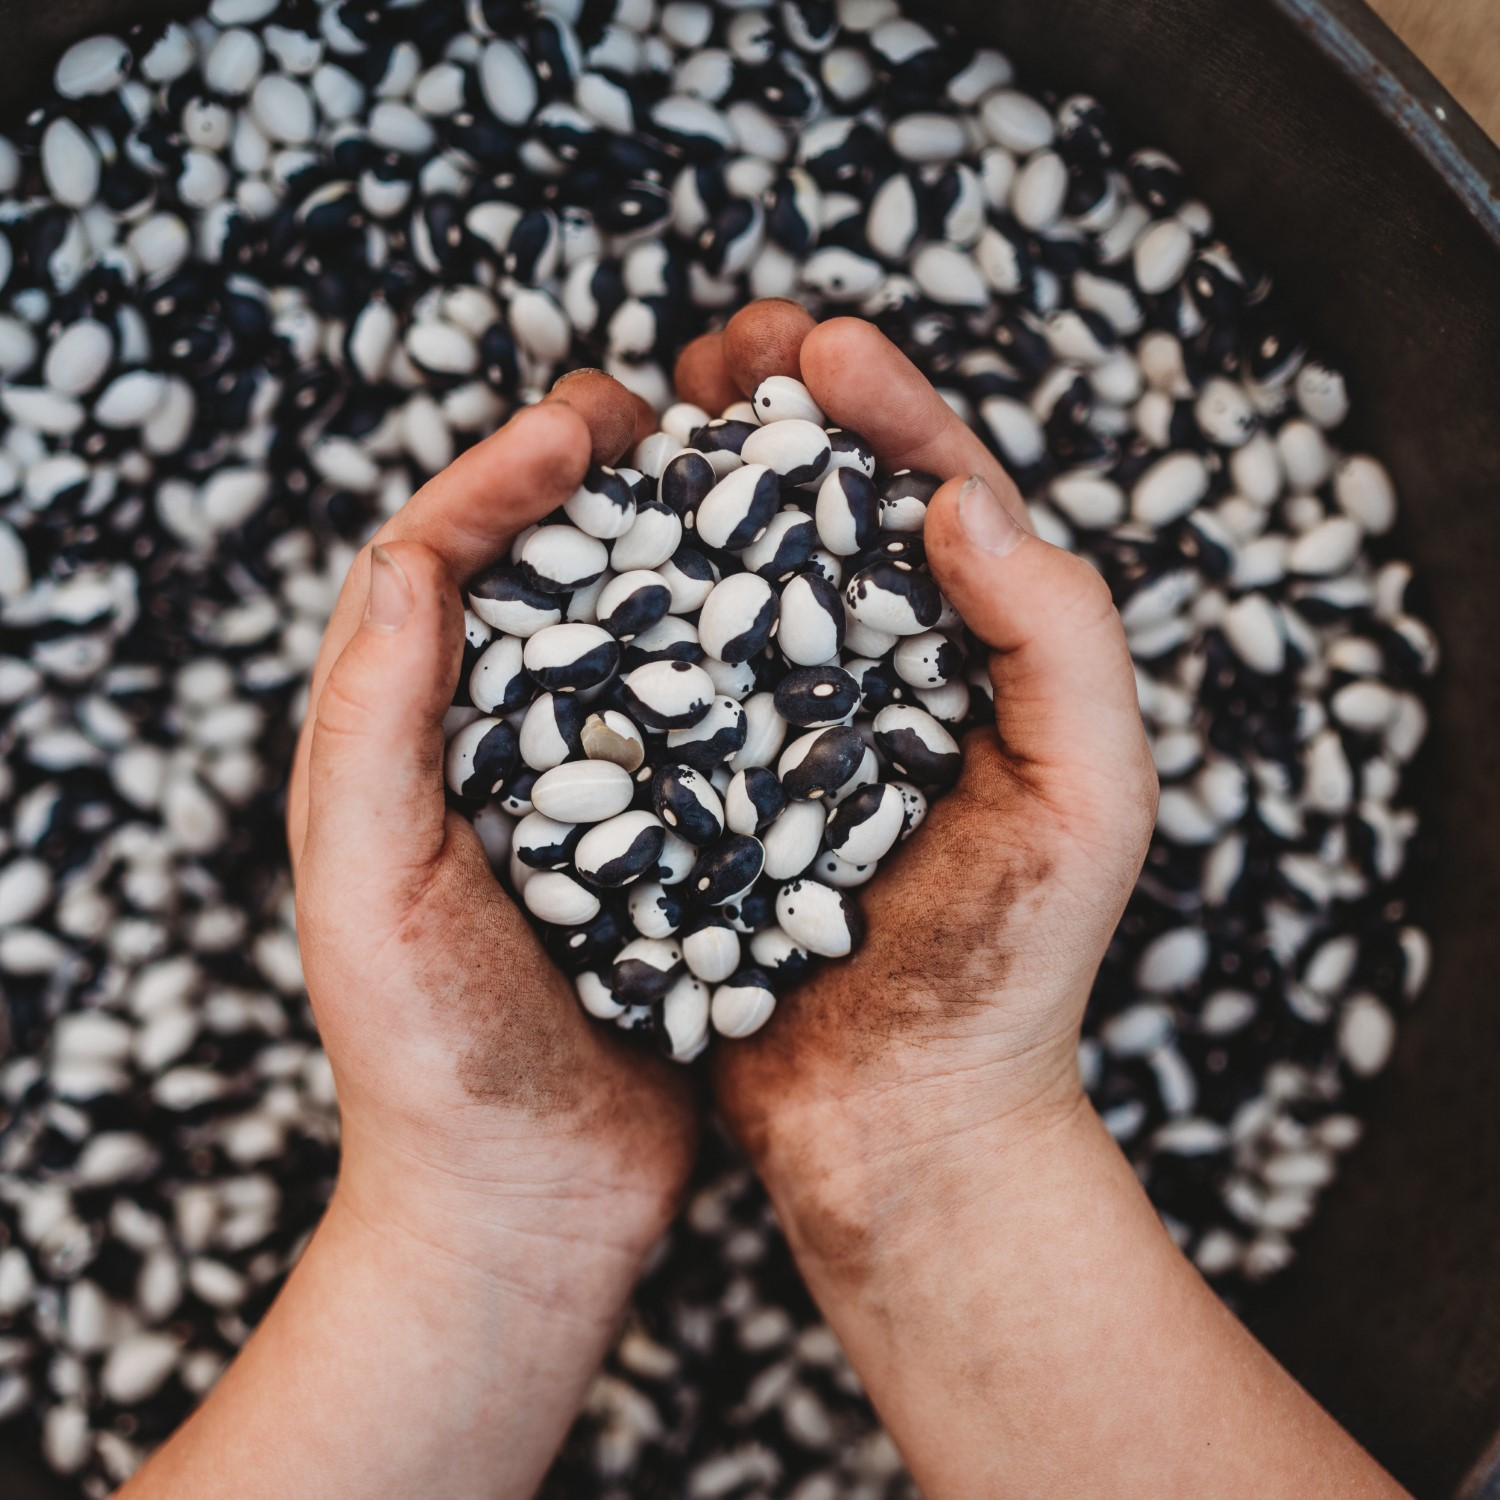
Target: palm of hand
x,y
456,1029
462,1059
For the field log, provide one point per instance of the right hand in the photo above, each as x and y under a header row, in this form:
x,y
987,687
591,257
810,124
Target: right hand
x,y
963,1007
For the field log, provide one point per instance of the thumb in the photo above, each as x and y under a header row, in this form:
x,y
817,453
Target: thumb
x,y
1065,696
375,772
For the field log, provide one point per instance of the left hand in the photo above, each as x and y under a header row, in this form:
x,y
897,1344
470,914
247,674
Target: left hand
x,y
473,1089
506,1162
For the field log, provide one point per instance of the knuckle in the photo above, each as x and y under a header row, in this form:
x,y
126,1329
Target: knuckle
x,y
342,712
1088,596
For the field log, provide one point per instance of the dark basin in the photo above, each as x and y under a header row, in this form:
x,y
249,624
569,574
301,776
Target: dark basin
x,y
1325,148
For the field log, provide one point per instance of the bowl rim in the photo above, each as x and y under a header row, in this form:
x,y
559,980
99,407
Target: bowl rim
x,y
1401,86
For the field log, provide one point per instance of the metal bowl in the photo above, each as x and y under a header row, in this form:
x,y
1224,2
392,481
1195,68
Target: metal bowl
x,y
1329,151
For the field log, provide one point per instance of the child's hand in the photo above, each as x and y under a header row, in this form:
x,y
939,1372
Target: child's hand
x,y
473,1089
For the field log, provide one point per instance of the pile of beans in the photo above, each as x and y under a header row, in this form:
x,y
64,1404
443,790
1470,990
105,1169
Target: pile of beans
x,y
688,702
263,273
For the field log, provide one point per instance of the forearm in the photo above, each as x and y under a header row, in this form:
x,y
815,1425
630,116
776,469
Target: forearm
x,y
391,1366
1025,1327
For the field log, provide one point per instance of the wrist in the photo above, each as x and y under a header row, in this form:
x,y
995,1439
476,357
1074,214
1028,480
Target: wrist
x,y
403,1357
864,1175
550,1225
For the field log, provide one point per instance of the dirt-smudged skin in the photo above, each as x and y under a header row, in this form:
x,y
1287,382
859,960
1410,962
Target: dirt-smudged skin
x,y
506,1035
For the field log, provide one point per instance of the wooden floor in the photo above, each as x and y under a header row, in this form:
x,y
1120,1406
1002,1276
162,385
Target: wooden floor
x,y
1460,41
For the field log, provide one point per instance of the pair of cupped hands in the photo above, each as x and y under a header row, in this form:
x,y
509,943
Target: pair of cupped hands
x,y
982,1250
467,1073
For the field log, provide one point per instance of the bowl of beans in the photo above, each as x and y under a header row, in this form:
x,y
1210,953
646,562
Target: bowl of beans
x,y
1220,286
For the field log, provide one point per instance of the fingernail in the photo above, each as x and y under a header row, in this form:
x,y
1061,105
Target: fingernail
x,y
985,520
390,594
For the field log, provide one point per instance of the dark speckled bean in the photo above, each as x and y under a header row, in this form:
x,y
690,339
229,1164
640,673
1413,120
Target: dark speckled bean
x,y
812,697
726,869
819,763
687,804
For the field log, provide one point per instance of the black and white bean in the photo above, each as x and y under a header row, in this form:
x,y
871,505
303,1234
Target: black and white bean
x,y
727,869
543,843
668,694
796,450
717,736
781,398
743,1003
644,969
895,596
821,762
711,947
815,697
811,620
633,601
620,850
917,746
739,508
557,559
498,682
866,825
504,600
571,657
583,791
848,511
819,918
686,803
551,730
753,799
738,618
603,505
480,756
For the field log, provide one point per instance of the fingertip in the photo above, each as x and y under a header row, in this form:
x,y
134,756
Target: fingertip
x,y
862,380
702,376
559,435
949,551
832,345
765,339
543,450
433,607
423,567
609,411
975,516
375,721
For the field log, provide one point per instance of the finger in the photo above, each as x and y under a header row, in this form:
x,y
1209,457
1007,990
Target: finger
x,y
1064,685
702,374
764,339
469,513
613,414
466,516
375,776
864,382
